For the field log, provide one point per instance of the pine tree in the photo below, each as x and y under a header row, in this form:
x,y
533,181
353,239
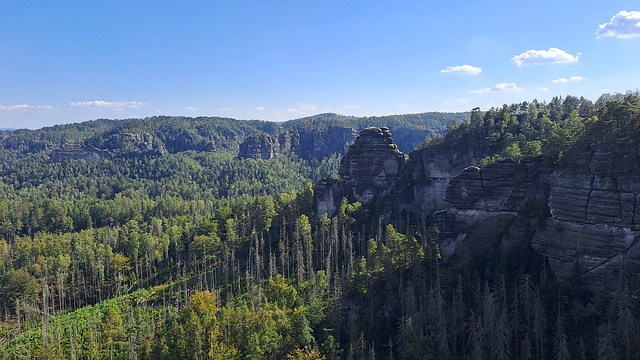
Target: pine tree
x,y
560,342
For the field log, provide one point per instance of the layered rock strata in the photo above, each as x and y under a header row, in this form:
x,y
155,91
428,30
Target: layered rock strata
x,y
305,144
260,146
582,220
595,224
367,172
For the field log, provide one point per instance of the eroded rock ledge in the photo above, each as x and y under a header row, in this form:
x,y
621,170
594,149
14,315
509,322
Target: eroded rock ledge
x,y
586,217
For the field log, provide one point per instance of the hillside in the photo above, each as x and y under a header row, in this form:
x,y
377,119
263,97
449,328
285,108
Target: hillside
x,y
449,254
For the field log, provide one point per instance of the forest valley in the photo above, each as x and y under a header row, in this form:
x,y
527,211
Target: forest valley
x,y
189,252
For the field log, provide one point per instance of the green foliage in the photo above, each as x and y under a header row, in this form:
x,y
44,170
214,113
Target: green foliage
x,y
198,254
17,285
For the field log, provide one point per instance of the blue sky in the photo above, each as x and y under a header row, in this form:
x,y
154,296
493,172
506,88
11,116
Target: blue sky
x,y
71,61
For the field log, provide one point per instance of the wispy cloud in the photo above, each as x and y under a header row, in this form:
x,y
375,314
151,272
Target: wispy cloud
x,y
461,101
567,80
498,88
352,107
224,109
302,109
543,89
571,79
462,70
260,108
25,107
623,25
16,107
539,57
114,105
190,108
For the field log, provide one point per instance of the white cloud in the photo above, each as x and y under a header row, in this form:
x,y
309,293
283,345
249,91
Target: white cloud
x,y
497,88
292,110
304,106
25,107
134,104
623,25
543,89
224,109
97,103
402,105
190,108
16,107
462,70
260,108
461,100
571,79
116,105
538,57
352,107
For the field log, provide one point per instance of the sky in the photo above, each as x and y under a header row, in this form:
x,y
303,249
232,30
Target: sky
x,y
73,61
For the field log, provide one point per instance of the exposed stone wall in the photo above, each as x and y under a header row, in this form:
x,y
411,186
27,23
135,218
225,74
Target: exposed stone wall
x,y
261,146
306,145
595,224
367,172
482,204
583,220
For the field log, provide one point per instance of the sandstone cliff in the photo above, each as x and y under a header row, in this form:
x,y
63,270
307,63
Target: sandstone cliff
x,y
583,220
594,226
78,152
368,172
259,146
305,144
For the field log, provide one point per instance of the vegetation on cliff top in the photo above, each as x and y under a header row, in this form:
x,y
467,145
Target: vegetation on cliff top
x,y
562,129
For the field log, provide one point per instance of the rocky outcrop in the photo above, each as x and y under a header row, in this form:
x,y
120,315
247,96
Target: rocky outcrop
x,y
367,172
588,215
186,140
318,144
133,144
481,205
583,220
305,144
425,176
259,146
595,224
370,167
78,152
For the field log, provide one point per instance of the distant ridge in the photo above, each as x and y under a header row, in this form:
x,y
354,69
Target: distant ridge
x,y
7,129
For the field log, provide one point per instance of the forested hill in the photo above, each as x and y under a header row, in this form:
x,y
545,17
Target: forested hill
x,y
409,130
164,134
146,251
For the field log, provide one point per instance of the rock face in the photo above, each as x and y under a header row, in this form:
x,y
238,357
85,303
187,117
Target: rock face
x,y
481,205
595,224
370,167
260,146
315,145
591,227
188,140
133,145
425,177
368,171
583,220
305,144
78,152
